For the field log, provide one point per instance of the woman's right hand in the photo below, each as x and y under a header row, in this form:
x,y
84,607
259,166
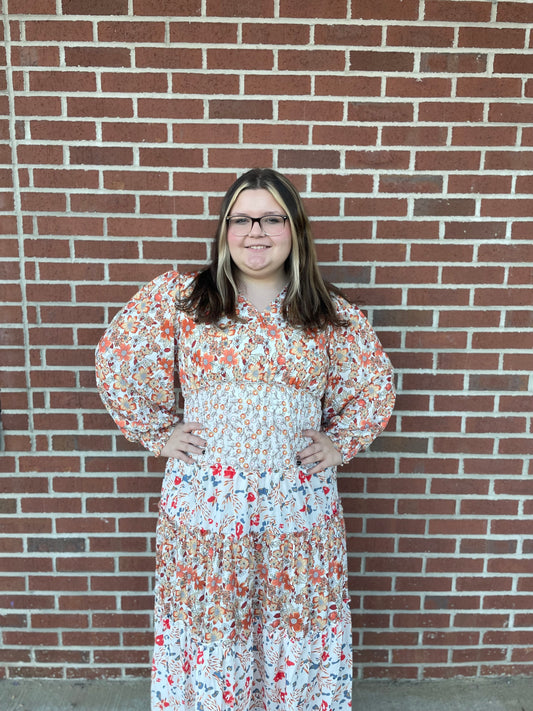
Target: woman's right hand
x,y
182,443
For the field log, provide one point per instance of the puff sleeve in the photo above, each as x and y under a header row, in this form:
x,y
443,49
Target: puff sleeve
x,y
359,396
135,364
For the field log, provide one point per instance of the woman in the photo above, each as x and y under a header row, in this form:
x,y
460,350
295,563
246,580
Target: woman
x,y
282,381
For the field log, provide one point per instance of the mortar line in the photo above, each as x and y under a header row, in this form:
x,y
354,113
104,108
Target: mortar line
x,y
17,209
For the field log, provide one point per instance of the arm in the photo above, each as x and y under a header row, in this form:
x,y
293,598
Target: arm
x,y
135,364
359,396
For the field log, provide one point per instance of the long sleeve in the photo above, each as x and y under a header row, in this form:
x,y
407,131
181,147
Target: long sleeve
x,y
135,364
359,396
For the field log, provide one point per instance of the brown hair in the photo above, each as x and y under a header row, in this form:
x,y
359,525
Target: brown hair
x,y
307,302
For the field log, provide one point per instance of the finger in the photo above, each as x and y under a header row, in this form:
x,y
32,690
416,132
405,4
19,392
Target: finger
x,y
195,441
310,451
316,470
191,426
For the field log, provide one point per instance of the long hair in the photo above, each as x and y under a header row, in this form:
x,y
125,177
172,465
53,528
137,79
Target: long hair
x,y
308,301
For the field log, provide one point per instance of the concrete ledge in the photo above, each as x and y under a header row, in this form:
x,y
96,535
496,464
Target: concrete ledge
x,y
451,695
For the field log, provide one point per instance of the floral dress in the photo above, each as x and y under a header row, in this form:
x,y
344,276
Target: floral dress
x,y
251,603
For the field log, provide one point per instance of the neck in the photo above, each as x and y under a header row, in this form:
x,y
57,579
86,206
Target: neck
x,y
261,292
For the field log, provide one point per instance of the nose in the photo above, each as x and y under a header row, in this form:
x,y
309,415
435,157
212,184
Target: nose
x,y
253,231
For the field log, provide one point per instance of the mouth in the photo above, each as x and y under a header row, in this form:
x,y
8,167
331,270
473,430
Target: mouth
x,y
258,246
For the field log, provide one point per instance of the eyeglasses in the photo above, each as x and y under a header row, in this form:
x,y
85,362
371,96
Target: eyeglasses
x,y
271,225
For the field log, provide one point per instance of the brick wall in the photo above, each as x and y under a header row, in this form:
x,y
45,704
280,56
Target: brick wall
x,y
408,127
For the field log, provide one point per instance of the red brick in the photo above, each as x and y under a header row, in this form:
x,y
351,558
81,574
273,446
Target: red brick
x,y
42,201
448,160
58,225
170,205
101,155
97,7
506,207
270,134
383,10
167,8
493,37
496,87
58,31
32,7
97,57
370,206
168,57
511,112
134,82
515,12
253,59
62,81
513,63
464,11
239,109
99,106
134,132
480,184
298,111
47,178
311,60
131,32
94,202
475,230
419,35
385,112
419,87
37,105
194,83
453,63
206,33
139,227
372,61
410,184
472,275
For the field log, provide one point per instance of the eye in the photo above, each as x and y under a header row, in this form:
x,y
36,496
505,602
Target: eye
x,y
239,220
273,220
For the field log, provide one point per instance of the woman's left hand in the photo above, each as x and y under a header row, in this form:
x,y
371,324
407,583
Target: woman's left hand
x,y
321,452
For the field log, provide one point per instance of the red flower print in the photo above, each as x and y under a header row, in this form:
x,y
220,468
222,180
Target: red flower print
x,y
159,640
254,521
216,469
228,698
250,497
186,666
239,529
279,675
229,472
324,706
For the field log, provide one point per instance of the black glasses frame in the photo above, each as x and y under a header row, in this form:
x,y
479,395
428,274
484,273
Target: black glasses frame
x,y
258,220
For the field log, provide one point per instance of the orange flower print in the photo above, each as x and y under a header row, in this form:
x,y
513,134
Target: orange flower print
x,y
167,329
294,621
123,351
187,327
273,331
229,357
316,575
203,360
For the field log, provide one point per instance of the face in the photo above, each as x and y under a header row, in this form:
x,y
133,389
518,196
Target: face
x,y
257,255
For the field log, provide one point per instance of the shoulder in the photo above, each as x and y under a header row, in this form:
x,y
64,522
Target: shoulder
x,y
346,310
170,285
